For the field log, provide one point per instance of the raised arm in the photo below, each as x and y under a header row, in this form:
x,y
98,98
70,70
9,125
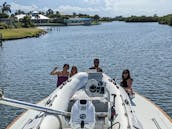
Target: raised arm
x,y
54,71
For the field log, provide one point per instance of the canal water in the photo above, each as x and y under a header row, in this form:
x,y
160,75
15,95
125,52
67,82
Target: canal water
x,y
143,48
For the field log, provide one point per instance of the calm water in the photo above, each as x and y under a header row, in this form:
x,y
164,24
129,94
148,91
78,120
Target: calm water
x,y
144,48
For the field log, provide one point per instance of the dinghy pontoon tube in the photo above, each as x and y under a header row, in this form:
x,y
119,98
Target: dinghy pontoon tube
x,y
87,100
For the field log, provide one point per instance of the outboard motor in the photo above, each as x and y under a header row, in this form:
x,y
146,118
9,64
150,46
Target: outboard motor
x,y
83,115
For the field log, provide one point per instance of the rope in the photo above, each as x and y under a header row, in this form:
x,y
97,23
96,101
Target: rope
x,y
115,124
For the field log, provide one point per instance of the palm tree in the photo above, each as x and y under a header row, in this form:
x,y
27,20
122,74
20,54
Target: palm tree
x,y
5,8
27,21
18,12
49,12
96,17
37,18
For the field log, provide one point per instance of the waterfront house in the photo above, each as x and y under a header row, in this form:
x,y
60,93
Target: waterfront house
x,y
78,21
35,17
39,18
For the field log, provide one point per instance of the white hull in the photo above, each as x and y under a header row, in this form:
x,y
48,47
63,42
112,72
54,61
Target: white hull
x,y
152,115
131,114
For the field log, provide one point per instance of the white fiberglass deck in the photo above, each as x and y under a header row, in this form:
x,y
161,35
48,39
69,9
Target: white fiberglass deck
x,y
150,114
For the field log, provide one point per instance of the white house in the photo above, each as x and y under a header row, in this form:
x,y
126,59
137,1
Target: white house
x,y
35,17
20,16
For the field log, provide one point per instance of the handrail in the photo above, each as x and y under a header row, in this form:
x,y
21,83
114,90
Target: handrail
x,y
26,105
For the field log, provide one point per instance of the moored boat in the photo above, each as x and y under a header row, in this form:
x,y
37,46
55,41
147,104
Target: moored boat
x,y
89,100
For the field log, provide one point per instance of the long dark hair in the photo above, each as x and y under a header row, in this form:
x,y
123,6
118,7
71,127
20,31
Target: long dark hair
x,y
74,67
126,71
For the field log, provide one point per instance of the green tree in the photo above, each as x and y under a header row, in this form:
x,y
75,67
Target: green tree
x,y
37,18
3,15
41,12
27,22
49,12
96,17
5,8
18,12
74,14
170,21
57,13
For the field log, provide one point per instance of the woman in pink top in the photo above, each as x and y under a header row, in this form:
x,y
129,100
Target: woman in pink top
x,y
62,75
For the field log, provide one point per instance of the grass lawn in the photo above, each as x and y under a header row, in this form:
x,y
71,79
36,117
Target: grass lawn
x,y
8,34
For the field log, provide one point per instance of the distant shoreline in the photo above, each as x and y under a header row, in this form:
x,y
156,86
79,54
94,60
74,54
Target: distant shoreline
x,y
21,33
167,20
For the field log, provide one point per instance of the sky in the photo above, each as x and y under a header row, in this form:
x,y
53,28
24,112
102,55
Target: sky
x,y
108,8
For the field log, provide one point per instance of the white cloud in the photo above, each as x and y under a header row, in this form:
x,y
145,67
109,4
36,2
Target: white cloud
x,y
104,7
15,6
71,9
33,7
92,2
137,7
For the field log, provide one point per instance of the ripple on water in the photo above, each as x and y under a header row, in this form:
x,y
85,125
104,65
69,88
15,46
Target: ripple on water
x,y
143,48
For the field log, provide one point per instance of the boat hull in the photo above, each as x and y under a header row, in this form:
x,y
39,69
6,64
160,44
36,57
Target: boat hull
x,y
138,112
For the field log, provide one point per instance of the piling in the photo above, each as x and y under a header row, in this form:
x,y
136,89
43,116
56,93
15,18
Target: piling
x,y
0,39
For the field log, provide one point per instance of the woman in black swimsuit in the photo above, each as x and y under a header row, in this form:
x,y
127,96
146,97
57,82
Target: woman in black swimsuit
x,y
126,82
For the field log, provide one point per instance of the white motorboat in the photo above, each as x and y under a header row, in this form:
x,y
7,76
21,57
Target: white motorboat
x,y
89,100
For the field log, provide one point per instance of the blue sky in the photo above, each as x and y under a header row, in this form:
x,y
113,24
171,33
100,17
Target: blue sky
x,y
101,7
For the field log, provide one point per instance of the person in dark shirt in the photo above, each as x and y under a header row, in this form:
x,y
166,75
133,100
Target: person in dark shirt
x,y
126,82
96,66
62,75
